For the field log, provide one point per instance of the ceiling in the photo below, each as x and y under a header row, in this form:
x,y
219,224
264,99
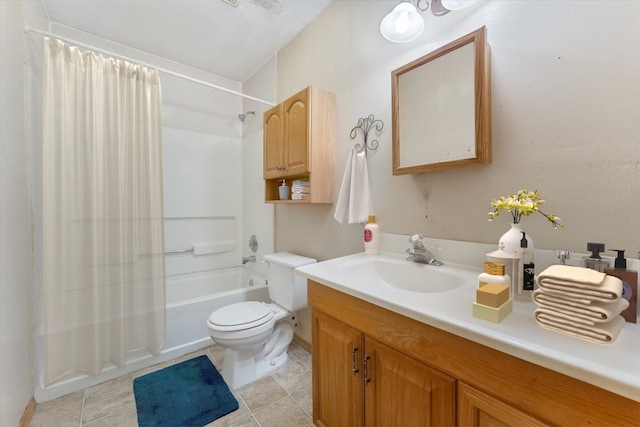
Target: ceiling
x,y
211,35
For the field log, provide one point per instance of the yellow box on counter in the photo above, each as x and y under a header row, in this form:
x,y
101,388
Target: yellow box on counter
x,y
492,295
491,314
492,267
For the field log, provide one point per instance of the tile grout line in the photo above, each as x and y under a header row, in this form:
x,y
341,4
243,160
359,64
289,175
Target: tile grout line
x,y
289,391
84,396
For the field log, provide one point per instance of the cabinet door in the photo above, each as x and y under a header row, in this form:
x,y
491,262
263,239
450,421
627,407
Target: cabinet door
x,y
476,408
296,133
400,391
273,142
336,373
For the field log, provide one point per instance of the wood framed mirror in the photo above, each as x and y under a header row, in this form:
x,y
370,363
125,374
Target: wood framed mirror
x,y
441,108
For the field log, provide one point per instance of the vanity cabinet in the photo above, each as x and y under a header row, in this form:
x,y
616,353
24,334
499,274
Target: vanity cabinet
x,y
401,391
441,378
363,382
298,138
476,408
338,396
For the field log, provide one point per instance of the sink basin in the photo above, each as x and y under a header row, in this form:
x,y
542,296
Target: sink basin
x,y
404,275
416,277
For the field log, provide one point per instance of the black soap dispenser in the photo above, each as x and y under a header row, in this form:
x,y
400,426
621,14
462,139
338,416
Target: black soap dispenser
x,y
595,261
526,281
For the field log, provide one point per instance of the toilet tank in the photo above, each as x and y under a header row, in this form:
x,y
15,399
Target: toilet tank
x,y
287,288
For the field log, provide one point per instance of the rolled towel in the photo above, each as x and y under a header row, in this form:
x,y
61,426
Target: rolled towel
x,y
595,311
578,283
571,274
602,333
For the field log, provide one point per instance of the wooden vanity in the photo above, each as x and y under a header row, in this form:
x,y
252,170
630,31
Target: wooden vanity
x,y
375,367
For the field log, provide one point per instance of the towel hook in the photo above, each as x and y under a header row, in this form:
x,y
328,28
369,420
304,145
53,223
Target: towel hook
x,y
365,124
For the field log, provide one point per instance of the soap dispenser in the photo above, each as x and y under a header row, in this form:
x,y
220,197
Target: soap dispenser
x,y
629,285
371,237
595,261
526,281
283,190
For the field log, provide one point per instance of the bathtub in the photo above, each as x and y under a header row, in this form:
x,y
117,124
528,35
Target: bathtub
x,y
191,298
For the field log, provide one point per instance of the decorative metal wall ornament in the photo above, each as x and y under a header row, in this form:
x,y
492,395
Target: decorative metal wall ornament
x,y
365,124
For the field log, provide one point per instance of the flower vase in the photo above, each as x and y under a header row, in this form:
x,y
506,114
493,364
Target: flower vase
x,y
510,241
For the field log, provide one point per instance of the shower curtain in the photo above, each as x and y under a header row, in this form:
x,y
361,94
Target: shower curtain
x,y
103,238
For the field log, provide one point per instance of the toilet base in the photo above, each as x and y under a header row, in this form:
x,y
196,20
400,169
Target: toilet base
x,y
243,366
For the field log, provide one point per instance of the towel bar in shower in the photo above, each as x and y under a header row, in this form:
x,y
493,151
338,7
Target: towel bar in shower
x,y
178,251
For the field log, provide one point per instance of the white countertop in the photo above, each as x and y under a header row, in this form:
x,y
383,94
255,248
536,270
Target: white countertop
x,y
614,367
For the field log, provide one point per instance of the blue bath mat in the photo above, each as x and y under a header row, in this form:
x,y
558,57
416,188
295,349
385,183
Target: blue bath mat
x,y
189,394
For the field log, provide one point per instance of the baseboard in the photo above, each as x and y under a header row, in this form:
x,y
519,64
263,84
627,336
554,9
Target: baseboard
x,y
302,343
28,413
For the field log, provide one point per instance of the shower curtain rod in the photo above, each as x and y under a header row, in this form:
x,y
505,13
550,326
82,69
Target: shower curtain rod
x,y
164,70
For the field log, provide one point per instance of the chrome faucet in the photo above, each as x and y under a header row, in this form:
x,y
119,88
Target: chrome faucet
x,y
418,253
247,259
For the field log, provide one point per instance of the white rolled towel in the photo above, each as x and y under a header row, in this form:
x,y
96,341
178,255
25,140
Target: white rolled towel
x,y
595,311
602,333
580,284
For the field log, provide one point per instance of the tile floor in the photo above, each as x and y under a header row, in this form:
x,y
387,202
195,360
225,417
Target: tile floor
x,y
280,400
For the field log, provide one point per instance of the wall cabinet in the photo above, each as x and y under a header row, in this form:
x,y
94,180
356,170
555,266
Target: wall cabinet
x,y
362,382
375,367
298,140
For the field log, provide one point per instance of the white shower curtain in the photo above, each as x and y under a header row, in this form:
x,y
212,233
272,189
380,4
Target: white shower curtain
x,y
103,238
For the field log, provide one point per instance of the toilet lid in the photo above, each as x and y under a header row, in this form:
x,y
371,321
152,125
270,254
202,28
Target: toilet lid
x,y
241,315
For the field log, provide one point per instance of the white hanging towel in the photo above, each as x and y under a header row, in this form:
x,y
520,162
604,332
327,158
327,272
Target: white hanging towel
x,y
354,201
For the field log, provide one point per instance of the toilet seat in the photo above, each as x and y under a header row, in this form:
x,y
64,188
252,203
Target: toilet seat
x,y
240,316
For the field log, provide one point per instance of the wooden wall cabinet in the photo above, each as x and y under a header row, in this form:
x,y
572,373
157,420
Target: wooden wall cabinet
x,y
298,140
420,376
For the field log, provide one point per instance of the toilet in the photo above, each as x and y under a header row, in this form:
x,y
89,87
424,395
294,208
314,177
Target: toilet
x,y
257,334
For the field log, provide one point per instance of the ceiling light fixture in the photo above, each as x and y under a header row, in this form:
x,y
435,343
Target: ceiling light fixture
x,y
404,23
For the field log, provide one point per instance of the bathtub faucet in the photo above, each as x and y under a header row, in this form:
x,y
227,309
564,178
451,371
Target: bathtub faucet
x,y
247,259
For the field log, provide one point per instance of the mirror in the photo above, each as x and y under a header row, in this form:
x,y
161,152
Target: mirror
x,y
441,108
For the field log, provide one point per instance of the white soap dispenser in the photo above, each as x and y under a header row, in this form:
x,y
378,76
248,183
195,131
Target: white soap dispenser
x,y
371,237
283,190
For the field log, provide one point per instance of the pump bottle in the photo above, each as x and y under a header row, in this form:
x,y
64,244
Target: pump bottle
x,y
371,237
595,261
526,281
629,285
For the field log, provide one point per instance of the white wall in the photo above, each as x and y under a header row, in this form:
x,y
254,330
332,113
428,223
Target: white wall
x,y
16,384
566,121
565,93
258,217
202,147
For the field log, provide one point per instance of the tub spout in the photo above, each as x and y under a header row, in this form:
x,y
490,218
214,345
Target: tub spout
x,y
247,259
